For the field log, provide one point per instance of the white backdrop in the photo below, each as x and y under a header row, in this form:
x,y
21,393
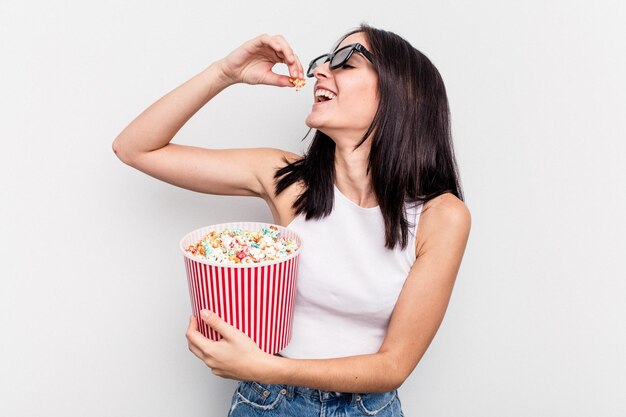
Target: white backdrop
x,y
93,296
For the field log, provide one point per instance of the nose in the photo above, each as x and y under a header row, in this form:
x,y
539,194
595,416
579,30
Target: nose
x,y
322,70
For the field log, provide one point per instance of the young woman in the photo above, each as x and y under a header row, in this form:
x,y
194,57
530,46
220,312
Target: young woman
x,y
376,198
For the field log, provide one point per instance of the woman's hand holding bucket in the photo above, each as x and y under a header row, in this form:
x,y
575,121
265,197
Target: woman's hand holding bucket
x,y
235,356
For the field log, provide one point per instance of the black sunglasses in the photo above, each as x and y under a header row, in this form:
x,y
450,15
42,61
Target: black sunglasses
x,y
339,57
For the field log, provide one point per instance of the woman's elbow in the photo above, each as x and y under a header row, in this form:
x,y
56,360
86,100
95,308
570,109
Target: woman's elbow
x,y
397,375
398,380
120,152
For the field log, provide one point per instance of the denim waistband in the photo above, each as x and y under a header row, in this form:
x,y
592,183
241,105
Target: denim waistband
x,y
322,396
261,396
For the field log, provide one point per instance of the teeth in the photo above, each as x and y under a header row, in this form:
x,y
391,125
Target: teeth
x,y
325,93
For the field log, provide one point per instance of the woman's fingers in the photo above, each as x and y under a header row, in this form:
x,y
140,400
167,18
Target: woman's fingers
x,y
279,80
300,67
253,62
285,54
194,349
195,338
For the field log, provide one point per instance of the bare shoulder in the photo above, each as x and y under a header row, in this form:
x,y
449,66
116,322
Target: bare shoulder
x,y
290,157
273,159
444,220
280,205
447,208
281,157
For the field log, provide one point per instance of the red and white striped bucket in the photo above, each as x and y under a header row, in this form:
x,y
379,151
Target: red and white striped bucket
x,y
258,299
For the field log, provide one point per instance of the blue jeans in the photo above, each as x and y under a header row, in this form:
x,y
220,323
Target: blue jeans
x,y
256,399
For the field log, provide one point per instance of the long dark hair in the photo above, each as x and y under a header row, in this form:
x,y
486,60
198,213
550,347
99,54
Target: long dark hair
x,y
411,157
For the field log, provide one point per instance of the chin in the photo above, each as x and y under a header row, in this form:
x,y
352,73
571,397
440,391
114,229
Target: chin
x,y
315,126
311,122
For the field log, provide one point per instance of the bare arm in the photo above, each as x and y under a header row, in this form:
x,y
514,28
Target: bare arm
x,y
145,143
156,126
360,373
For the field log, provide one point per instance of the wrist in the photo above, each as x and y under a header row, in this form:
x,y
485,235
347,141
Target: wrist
x,y
269,369
222,74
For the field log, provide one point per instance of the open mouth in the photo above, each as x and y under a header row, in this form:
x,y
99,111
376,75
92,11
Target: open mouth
x,y
322,95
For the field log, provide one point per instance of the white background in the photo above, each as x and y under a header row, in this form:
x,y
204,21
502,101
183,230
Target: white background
x,y
93,295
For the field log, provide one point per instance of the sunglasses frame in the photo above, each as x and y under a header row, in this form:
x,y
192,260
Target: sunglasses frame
x,y
353,47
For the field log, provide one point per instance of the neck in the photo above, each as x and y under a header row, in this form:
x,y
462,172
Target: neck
x,y
350,174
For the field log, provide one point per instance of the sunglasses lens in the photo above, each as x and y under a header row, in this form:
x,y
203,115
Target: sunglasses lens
x,y
340,57
319,61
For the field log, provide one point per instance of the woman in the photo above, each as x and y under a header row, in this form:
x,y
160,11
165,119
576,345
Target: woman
x,y
376,199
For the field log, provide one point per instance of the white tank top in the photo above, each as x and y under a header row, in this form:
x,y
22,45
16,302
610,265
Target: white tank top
x,y
348,282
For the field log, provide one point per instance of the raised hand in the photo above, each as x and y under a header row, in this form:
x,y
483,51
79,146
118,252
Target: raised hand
x,y
252,62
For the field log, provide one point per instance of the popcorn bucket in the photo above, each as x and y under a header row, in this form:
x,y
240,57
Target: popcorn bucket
x,y
256,298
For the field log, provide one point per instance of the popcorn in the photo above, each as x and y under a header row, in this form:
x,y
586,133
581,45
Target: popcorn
x,y
297,82
238,246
